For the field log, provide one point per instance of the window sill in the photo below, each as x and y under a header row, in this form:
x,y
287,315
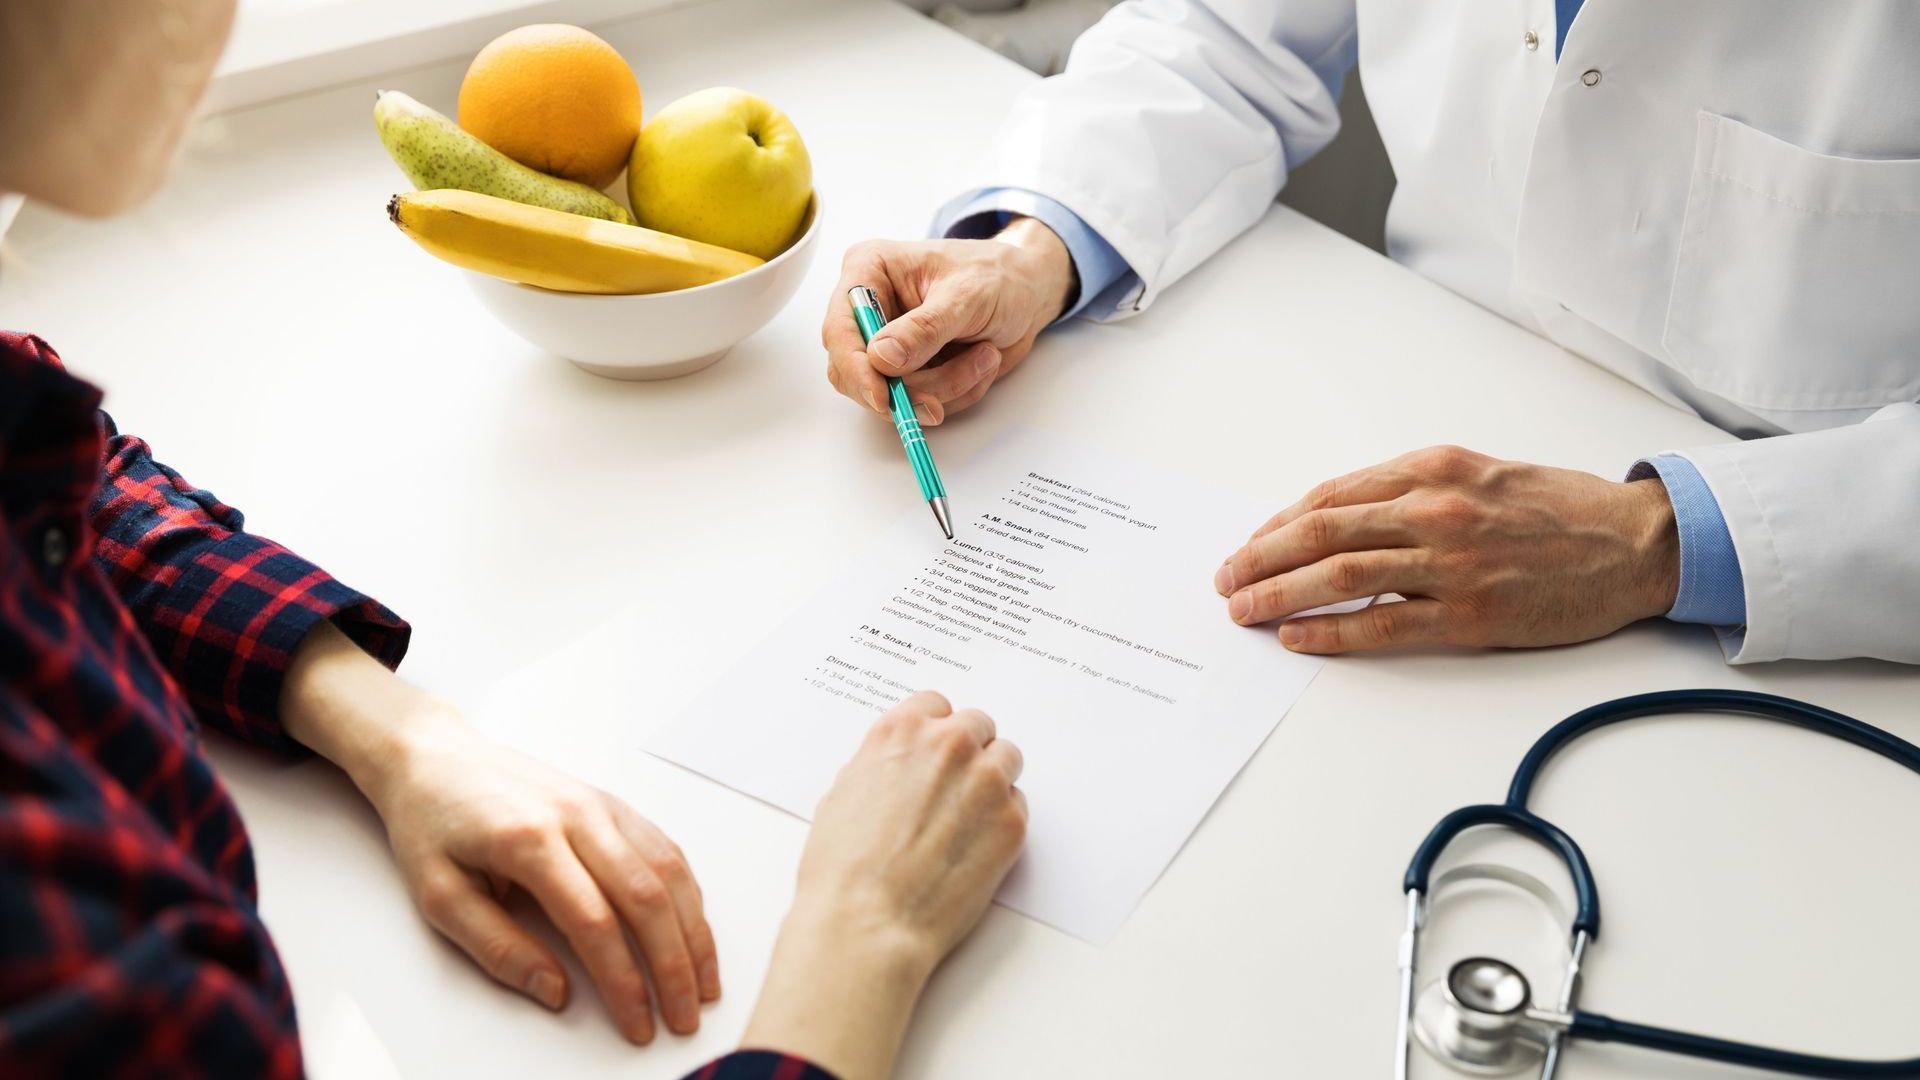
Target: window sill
x,y
288,48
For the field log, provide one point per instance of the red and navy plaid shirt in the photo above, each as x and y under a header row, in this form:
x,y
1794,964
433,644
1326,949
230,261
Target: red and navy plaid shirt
x,y
759,1065
134,608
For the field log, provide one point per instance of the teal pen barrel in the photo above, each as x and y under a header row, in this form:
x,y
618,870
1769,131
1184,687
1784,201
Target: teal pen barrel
x,y
868,316
915,441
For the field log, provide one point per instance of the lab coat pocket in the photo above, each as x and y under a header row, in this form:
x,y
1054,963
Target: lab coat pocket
x,y
1798,279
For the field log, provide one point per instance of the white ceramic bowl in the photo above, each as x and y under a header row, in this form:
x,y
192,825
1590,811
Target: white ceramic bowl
x,y
652,335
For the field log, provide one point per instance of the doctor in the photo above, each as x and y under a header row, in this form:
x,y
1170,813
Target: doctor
x,y
1719,201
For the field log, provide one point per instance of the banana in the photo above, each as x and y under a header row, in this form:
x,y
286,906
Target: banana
x,y
556,250
435,153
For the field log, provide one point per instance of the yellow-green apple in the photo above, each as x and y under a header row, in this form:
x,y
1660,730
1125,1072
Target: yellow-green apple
x,y
722,167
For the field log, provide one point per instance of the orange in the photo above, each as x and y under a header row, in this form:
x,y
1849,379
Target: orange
x,y
554,98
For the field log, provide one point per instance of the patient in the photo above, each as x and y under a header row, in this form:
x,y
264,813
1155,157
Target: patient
x,y
135,608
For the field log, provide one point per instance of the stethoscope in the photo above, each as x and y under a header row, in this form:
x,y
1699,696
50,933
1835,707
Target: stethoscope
x,y
1480,1017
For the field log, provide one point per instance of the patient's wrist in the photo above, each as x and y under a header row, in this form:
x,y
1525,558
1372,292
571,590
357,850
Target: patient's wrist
x,y
349,708
841,988
864,934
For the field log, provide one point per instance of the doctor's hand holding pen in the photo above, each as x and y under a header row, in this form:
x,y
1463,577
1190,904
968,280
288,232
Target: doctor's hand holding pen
x,y
964,314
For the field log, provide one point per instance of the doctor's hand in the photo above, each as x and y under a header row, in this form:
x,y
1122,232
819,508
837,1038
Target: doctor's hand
x,y
905,853
470,821
1486,552
964,313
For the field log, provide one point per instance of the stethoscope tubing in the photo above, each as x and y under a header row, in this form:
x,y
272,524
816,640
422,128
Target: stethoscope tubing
x,y
1598,1028
1586,914
1739,702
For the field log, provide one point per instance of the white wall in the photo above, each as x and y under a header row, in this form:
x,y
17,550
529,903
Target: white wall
x,y
1347,186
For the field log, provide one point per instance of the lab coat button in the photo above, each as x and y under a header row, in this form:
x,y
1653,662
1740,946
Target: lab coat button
x,y
1532,40
1590,77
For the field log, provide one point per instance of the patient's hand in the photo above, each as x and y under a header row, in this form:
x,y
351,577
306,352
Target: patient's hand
x,y
1486,552
469,820
964,314
906,850
919,827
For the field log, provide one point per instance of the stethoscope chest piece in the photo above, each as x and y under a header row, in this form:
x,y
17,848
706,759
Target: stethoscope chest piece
x,y
1479,1019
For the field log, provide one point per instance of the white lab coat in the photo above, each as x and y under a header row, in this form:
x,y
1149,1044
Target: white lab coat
x,y
1717,199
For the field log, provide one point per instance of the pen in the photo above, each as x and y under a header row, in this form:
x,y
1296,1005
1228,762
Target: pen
x,y
867,313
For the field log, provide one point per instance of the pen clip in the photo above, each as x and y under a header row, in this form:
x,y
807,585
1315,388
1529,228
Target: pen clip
x,y
862,296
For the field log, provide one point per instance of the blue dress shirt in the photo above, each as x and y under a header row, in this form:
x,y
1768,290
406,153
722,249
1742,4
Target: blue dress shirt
x,y
1095,263
1711,588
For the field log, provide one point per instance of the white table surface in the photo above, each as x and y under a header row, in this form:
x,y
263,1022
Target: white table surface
x,y
580,556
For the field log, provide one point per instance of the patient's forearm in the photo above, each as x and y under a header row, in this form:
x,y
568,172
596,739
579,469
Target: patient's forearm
x,y
839,993
347,707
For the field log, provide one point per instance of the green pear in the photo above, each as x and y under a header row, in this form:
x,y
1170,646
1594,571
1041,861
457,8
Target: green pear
x,y
436,153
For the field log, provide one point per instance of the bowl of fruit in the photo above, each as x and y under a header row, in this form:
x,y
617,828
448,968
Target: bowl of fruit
x,y
715,236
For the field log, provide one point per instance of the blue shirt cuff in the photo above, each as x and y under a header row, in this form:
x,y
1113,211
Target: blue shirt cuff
x,y
1711,588
1098,266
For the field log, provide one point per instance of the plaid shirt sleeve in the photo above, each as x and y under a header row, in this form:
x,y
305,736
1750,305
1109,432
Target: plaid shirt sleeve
x,y
759,1065
224,609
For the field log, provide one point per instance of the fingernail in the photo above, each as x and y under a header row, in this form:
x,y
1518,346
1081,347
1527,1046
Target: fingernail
x,y
1291,634
710,980
888,352
1223,579
871,404
987,362
639,1024
546,988
1241,606
921,410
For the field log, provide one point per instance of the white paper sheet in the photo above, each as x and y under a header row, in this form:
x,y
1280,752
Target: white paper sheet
x,y
1075,605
